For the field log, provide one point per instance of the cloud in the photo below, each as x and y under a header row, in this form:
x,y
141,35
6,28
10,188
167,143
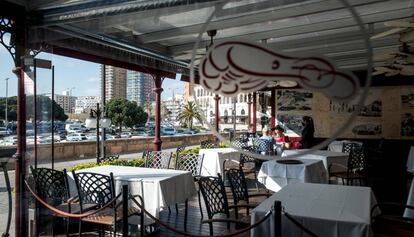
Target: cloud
x,y
93,79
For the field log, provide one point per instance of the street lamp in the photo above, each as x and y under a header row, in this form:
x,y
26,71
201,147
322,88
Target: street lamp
x,y
96,120
7,88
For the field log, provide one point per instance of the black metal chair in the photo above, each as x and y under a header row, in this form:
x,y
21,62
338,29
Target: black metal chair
x,y
95,191
191,162
208,144
52,186
239,144
145,154
179,149
249,166
109,158
389,223
215,199
348,146
263,146
240,191
158,160
355,167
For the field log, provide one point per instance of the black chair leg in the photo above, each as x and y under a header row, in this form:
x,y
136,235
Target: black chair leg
x,y
142,227
199,204
169,210
185,214
80,228
176,208
211,228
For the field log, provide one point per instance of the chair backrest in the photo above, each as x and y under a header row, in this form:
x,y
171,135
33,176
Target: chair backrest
x,y
238,185
190,162
239,143
109,158
145,154
158,160
348,146
246,159
208,144
214,195
180,149
263,145
94,188
356,158
51,184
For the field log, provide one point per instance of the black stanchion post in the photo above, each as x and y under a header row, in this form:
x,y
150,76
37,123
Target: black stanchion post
x,y
124,210
278,218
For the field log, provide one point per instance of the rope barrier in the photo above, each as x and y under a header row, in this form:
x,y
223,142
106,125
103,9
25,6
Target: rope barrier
x,y
177,231
289,217
158,221
67,214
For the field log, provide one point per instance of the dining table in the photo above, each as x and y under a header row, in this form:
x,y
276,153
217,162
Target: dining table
x,y
159,188
214,159
326,210
332,160
276,174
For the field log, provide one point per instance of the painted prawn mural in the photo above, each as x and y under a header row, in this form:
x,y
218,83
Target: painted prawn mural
x,y
234,67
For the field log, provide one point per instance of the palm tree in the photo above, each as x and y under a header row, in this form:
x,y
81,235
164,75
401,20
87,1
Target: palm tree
x,y
188,113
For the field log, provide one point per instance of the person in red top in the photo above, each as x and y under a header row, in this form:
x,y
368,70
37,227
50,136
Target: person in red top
x,y
280,137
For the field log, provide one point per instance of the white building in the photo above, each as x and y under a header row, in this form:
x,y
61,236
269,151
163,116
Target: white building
x,y
205,100
66,101
85,103
173,105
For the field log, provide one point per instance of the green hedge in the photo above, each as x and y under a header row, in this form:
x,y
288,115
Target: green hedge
x,y
197,149
134,162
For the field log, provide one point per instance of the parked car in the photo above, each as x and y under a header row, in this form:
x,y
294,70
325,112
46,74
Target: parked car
x,y
3,131
139,134
189,131
111,137
168,131
10,141
126,135
73,137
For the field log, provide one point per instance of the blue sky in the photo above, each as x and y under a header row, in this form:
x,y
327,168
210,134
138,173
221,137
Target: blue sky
x,y
80,75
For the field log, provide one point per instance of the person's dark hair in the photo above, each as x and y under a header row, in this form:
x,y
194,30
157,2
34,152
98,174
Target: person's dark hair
x,y
278,127
308,121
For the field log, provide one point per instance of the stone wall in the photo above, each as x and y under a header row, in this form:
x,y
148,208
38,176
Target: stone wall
x,y
84,149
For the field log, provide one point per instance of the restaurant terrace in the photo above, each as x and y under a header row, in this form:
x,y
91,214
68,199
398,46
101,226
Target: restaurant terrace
x,y
328,149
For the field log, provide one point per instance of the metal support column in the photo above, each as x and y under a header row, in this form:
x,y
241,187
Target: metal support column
x,y
273,108
158,90
216,113
254,112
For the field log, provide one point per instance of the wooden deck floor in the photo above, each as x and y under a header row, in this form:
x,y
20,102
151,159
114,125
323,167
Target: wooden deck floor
x,y
176,220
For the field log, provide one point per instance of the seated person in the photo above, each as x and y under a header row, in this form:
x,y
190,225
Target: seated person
x,y
281,138
265,149
266,135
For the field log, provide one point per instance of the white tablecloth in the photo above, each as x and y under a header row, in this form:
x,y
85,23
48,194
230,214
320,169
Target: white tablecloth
x,y
410,160
275,175
409,213
214,158
327,157
326,210
158,187
337,145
